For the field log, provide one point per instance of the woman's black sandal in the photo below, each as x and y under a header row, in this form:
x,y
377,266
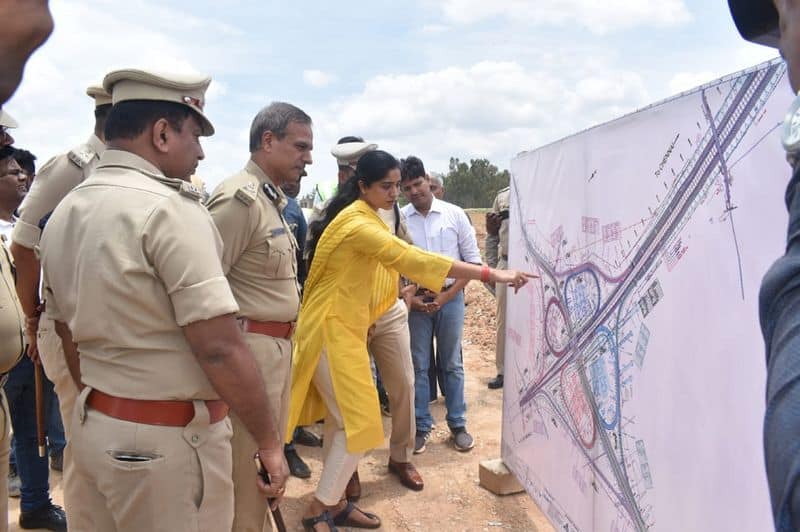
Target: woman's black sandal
x,y
343,517
324,517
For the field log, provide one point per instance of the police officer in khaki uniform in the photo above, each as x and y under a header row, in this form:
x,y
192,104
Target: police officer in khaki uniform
x,y
133,279
56,178
11,346
497,257
260,262
390,346
6,123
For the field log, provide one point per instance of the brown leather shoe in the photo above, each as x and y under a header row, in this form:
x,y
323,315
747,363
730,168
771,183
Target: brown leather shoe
x,y
408,474
353,490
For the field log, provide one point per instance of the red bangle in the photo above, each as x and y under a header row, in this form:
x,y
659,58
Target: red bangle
x,y
485,271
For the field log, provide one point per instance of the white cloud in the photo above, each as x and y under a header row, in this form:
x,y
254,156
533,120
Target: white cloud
x,y
433,29
598,16
508,91
317,78
53,110
489,109
684,81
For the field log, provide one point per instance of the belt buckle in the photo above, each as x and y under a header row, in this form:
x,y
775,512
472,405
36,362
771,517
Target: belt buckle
x,y
242,322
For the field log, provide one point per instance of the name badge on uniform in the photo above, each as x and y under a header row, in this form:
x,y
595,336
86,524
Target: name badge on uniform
x,y
277,232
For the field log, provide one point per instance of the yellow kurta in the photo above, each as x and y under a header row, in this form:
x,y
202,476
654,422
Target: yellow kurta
x,y
352,282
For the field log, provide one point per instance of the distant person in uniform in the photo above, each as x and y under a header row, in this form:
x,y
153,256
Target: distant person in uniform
x,y
437,186
56,440
6,122
26,25
353,249
11,341
56,179
260,261
36,508
497,257
133,277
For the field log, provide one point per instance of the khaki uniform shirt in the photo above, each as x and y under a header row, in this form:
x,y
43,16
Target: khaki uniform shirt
x,y
497,246
389,217
130,257
11,317
54,181
260,253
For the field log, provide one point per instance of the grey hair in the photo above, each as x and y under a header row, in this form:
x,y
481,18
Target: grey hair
x,y
437,178
276,118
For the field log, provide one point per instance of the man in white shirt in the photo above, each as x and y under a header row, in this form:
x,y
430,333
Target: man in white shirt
x,y
444,228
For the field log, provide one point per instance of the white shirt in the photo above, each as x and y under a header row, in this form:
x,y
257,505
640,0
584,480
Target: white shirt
x,y
5,230
446,230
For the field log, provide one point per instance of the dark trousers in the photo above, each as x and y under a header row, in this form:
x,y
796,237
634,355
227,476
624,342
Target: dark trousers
x,y
33,471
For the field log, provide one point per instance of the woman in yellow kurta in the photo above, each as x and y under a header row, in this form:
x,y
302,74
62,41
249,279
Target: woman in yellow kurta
x,y
355,267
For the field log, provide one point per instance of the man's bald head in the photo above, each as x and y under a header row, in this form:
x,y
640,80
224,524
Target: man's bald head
x,y
26,25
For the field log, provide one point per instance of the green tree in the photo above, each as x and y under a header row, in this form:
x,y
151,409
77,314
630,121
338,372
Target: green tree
x,y
474,185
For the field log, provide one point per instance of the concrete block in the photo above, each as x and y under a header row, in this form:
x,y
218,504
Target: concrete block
x,y
495,477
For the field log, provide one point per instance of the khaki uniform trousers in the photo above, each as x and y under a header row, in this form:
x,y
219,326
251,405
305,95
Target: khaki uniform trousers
x,y
51,352
182,485
390,346
5,451
500,290
274,359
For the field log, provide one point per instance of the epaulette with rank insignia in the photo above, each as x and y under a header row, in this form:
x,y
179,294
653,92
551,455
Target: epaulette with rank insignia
x,y
274,196
191,191
247,194
81,156
270,191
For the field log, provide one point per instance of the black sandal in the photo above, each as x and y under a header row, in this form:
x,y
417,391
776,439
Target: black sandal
x,y
343,517
324,517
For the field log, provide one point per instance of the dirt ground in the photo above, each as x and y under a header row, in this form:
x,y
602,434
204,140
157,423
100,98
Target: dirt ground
x,y
452,499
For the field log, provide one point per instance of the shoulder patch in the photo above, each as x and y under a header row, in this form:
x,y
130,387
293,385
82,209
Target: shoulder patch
x,y
247,194
190,191
81,156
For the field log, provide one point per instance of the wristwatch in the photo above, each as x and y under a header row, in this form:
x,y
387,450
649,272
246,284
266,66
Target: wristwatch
x,y
790,132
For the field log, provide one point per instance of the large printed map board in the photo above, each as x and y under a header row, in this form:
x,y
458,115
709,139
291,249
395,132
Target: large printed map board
x,y
635,367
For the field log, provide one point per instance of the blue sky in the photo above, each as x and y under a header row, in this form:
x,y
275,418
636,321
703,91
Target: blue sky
x,y
462,78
